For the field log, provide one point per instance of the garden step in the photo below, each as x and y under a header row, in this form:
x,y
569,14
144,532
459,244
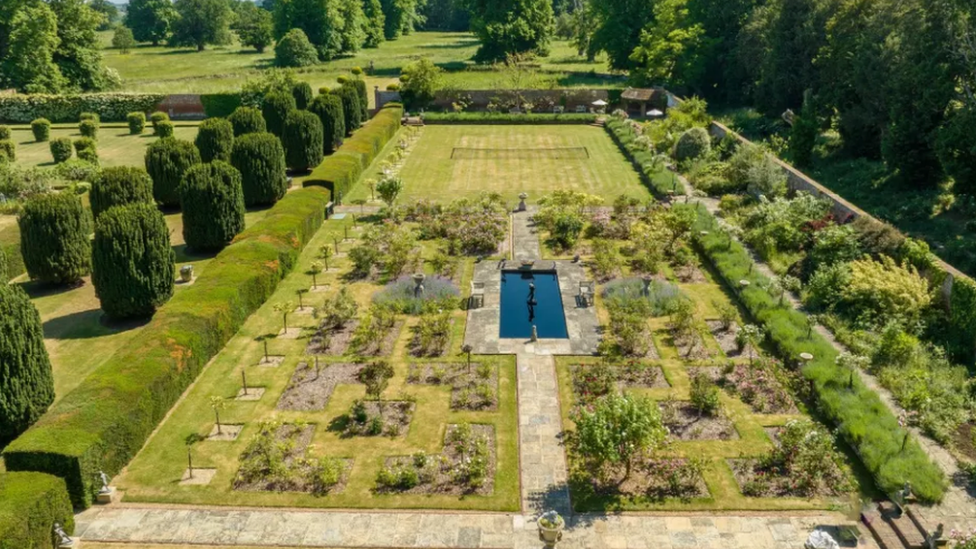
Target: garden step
x,y
903,525
883,533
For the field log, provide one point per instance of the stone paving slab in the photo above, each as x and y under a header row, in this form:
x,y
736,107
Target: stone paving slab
x,y
525,243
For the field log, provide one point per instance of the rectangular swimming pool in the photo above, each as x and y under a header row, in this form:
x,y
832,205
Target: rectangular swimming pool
x,y
544,310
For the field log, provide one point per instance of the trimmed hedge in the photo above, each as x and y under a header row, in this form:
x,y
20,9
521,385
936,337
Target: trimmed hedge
x,y
213,206
167,160
137,122
120,185
261,160
303,141
4,273
102,423
54,231
302,92
247,120
111,107
41,128
220,104
661,183
350,108
498,118
86,149
215,139
156,118
275,109
88,128
164,128
343,169
30,504
5,133
328,107
61,149
133,263
862,419
362,91
8,151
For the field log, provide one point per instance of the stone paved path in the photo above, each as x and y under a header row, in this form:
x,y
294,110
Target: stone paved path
x,y
526,241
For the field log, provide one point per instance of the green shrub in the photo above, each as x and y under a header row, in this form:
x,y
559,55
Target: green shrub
x,y
638,149
92,116
215,139
693,144
61,149
102,423
117,186
275,109
30,505
137,122
302,92
164,129
362,91
88,128
27,383
261,160
41,129
302,141
343,169
54,229
156,118
8,151
4,272
5,133
350,108
247,120
754,169
220,104
86,149
328,107
213,206
294,50
113,107
167,160
133,263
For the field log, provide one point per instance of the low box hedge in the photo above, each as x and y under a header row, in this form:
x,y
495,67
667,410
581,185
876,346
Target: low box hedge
x,y
30,504
340,171
661,183
498,118
110,107
103,422
862,419
220,104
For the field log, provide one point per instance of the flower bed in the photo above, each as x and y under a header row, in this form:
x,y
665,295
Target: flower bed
x,y
472,388
466,466
275,461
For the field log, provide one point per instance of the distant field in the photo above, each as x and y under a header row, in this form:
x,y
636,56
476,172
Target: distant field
x,y
115,146
514,159
225,68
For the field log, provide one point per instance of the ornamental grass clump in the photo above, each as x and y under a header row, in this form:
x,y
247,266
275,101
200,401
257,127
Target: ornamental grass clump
x,y
658,299
401,295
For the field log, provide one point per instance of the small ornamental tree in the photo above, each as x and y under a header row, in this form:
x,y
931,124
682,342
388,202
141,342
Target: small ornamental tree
x,y
61,149
275,109
247,120
167,160
376,377
215,139
694,143
120,185
295,50
26,380
261,160
133,262
156,118
137,122
328,107
54,230
302,92
213,206
41,128
389,190
350,108
302,141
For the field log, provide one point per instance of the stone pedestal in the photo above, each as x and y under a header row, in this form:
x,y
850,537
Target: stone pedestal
x,y
104,498
75,544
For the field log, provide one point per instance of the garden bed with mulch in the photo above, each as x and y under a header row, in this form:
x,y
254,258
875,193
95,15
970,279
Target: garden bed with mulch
x,y
310,389
769,481
367,418
594,381
655,479
754,385
275,461
689,274
474,388
385,346
417,349
332,342
465,467
727,340
691,347
685,423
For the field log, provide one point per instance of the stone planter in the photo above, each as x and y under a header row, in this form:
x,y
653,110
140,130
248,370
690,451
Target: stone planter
x,y
527,264
551,527
186,273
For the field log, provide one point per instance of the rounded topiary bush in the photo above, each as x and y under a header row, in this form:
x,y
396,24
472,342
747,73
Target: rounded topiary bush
x,y
247,120
156,118
215,139
8,151
350,108
133,263
302,92
261,160
328,107
137,122
61,149
86,149
213,206
27,382
93,116
4,133
303,141
164,129
694,143
295,50
167,161
88,128
359,85
118,186
275,110
54,229
41,129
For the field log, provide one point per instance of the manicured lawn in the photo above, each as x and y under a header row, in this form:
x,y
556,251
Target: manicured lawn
x,y
430,172
115,146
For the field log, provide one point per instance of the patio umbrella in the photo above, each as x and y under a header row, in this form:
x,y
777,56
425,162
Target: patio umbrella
x,y
600,103
654,113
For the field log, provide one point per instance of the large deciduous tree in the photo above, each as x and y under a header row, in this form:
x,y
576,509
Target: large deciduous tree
x,y
254,26
201,22
401,16
375,23
508,27
618,26
29,62
354,23
150,20
78,53
318,19
662,56
615,431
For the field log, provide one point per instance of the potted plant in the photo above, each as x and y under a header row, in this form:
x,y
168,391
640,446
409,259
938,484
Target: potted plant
x,y
551,526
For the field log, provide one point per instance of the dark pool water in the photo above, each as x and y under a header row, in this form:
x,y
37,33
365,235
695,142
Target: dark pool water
x,y
518,315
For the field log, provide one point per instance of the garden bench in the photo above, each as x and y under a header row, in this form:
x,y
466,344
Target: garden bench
x,y
587,291
477,299
558,110
580,109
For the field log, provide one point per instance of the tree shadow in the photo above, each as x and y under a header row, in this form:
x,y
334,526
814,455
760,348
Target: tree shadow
x,y
457,45
88,324
36,289
185,255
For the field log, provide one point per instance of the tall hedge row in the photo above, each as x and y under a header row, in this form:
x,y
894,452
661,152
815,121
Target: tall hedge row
x,y
261,160
661,182
4,272
362,91
328,107
54,232
275,109
133,263
212,202
340,171
111,107
26,381
247,120
30,505
102,423
215,139
350,108
119,185
302,140
167,160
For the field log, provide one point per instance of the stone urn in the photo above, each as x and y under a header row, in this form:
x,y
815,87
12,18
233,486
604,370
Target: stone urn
x,y
522,207
186,273
418,279
551,527
527,264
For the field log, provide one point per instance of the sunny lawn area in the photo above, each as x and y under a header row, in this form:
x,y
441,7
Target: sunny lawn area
x,y
116,147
